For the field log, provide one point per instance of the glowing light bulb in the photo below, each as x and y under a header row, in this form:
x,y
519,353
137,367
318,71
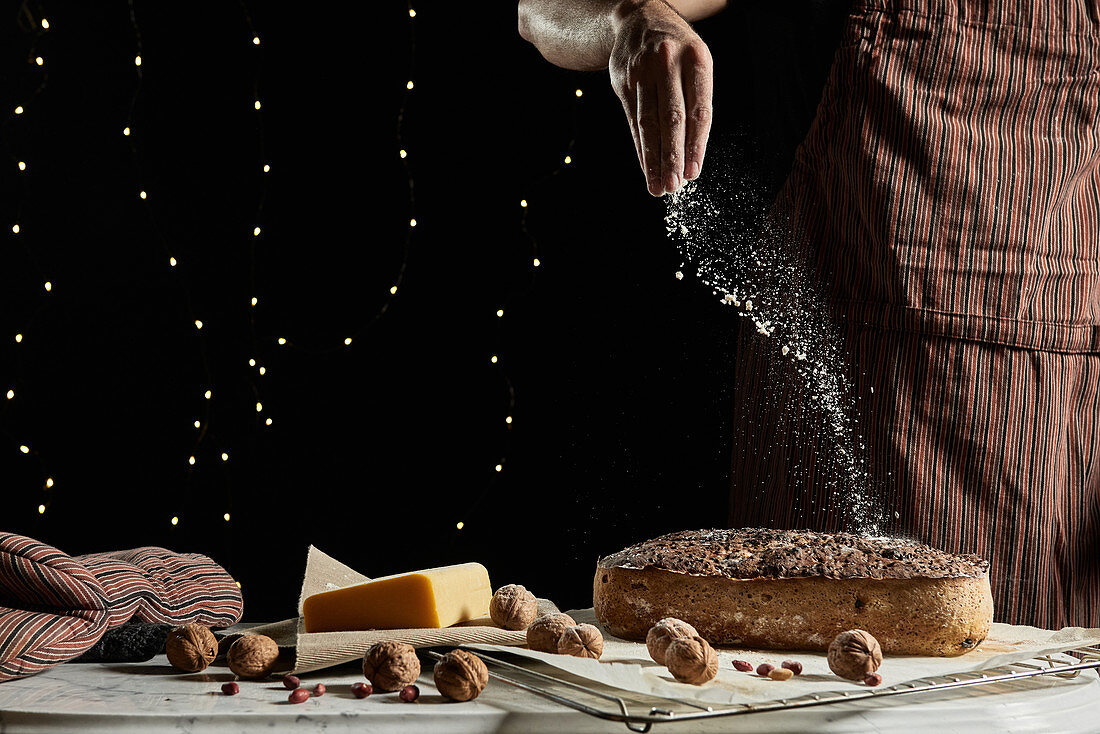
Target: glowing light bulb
x,y
22,166
580,93
19,110
208,394
460,525
259,407
267,422
257,104
255,300
493,359
409,85
568,160
18,338
226,517
251,363
191,460
508,420
25,449
267,168
172,261
225,456
256,232
198,324
347,341
39,60
393,290
49,482
403,153
523,203
175,520
198,424
11,394
45,24
536,262
143,195
48,286
125,131
412,222
282,340
498,467
15,228
500,312
255,40
137,61
412,13
41,509
263,371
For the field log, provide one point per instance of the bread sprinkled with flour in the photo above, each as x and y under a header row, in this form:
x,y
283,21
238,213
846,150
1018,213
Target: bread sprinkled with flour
x,y
797,589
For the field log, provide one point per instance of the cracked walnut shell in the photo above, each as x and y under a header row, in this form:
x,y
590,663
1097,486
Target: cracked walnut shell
x,y
513,607
691,660
390,666
854,654
664,632
545,631
253,656
191,647
460,675
581,641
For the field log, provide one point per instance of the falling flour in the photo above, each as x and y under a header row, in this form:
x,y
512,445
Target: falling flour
x,y
752,270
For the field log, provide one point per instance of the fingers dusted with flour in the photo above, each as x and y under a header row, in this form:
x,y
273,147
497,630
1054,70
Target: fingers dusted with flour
x,y
663,73
698,81
660,69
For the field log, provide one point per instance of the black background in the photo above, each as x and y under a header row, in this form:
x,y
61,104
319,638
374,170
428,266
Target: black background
x,y
620,372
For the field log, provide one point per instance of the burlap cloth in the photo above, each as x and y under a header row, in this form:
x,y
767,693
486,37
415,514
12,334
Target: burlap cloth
x,y
302,652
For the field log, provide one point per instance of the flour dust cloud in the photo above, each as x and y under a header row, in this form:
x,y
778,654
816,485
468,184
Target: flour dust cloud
x,y
747,260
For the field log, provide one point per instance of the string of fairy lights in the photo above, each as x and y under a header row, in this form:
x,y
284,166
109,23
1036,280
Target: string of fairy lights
x,y
132,132
22,161
564,162
131,129
262,166
287,341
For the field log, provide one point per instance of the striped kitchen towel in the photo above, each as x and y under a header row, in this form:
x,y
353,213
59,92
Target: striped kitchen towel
x,y
53,607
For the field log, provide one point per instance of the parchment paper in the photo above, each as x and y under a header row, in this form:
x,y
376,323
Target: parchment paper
x,y
303,651
627,665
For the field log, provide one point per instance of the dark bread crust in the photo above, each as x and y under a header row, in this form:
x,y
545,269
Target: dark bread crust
x,y
752,553
943,613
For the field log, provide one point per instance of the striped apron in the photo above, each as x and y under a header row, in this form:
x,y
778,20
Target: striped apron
x,y
947,197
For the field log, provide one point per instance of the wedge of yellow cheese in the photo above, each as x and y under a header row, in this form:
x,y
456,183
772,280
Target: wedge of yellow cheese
x,y
435,597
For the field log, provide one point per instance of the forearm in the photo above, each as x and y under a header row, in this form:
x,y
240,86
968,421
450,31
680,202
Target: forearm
x,y
573,34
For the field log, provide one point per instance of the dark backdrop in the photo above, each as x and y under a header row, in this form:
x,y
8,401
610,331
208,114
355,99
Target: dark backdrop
x,y
615,373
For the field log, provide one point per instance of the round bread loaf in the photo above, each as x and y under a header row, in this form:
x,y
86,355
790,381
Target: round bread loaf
x,y
797,589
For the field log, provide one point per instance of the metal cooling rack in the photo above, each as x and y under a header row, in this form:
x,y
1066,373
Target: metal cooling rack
x,y
675,709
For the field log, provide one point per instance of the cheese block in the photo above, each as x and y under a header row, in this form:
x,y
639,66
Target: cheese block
x,y
434,597
797,589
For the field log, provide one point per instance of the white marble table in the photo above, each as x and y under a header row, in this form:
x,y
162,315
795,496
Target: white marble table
x,y
153,697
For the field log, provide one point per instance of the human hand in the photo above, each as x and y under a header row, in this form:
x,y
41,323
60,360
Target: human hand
x,y
664,75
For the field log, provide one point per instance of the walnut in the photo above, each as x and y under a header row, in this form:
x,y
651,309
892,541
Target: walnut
x,y
460,675
581,641
854,654
252,656
691,660
545,631
513,607
191,647
664,632
390,666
